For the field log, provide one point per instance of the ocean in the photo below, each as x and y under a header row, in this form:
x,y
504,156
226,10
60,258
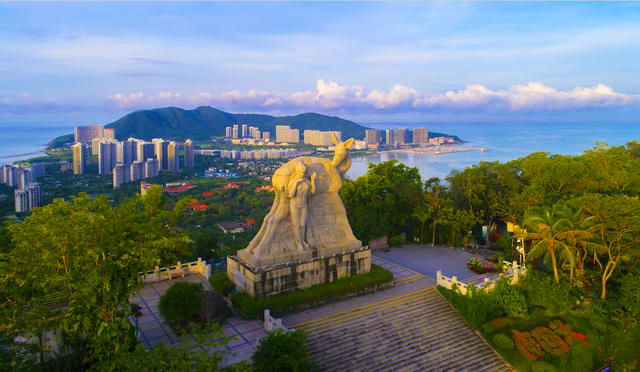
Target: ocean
x,y
504,142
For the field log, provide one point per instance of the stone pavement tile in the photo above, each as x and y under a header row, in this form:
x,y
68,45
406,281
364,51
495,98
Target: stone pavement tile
x,y
254,335
148,326
153,333
146,318
164,339
239,341
248,327
235,320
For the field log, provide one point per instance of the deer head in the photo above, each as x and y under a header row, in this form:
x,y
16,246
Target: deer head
x,y
342,158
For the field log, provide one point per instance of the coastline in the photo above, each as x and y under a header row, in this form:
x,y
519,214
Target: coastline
x,y
21,157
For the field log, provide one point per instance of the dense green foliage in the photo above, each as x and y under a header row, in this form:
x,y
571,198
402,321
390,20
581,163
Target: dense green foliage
x,y
203,122
255,308
503,341
88,254
181,301
382,201
282,352
183,356
220,283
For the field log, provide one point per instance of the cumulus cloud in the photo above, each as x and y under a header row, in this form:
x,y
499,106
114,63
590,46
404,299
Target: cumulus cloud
x,y
332,98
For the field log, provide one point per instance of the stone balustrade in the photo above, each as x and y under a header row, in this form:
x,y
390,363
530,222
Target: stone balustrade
x,y
164,273
513,274
271,323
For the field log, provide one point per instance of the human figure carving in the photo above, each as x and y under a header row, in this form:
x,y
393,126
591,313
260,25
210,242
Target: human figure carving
x,y
299,190
299,196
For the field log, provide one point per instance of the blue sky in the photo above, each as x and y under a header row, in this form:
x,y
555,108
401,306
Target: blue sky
x,y
366,61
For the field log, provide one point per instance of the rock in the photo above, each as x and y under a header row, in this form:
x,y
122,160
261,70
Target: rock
x,y
215,309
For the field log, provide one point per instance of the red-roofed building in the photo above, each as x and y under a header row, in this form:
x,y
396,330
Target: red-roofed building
x,y
251,223
207,194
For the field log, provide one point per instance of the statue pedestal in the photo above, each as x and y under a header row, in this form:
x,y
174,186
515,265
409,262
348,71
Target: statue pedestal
x,y
287,277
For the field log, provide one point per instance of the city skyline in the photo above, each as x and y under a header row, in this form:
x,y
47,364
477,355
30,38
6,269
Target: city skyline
x,y
367,62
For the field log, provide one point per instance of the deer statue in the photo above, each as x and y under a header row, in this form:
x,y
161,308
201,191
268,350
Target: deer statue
x,y
306,189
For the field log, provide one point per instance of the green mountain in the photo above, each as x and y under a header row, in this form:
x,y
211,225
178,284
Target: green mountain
x,y
203,122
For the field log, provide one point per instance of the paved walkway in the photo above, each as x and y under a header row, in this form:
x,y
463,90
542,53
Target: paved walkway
x,y
427,260
153,330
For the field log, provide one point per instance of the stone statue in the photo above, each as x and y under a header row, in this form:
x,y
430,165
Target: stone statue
x,y
307,218
298,190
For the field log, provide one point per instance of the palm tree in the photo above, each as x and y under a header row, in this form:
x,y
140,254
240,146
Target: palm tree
x,y
579,236
548,229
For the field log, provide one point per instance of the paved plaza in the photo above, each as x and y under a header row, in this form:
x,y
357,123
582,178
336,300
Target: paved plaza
x,y
153,330
427,260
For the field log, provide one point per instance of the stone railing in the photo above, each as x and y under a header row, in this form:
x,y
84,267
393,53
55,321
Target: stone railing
x,y
180,269
271,323
513,274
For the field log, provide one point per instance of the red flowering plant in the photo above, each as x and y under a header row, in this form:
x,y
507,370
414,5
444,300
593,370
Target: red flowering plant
x,y
566,332
498,323
527,345
549,341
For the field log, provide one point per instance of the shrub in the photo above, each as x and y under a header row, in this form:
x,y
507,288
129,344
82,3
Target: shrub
x,y
221,284
498,323
476,307
512,302
281,352
254,308
549,341
527,345
503,341
395,241
541,366
542,291
181,301
487,328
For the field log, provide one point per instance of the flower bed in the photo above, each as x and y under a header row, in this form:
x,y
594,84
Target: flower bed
x,y
527,345
566,332
549,341
478,268
498,323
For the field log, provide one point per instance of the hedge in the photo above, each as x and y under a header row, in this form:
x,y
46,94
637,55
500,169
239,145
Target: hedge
x,y
255,308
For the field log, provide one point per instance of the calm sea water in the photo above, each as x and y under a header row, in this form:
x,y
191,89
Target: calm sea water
x,y
505,142
28,138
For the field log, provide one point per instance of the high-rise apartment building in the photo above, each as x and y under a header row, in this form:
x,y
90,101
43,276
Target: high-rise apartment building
x,y
28,198
25,177
285,134
121,174
87,133
396,136
110,134
146,150
136,171
189,158
234,131
151,168
420,135
162,153
173,157
244,130
228,132
125,152
373,136
79,157
318,138
107,156
10,175
266,136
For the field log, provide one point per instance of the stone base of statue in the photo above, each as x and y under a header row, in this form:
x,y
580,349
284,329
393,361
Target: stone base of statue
x,y
306,238
299,274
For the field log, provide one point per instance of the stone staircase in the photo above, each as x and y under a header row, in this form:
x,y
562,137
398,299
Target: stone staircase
x,y
418,331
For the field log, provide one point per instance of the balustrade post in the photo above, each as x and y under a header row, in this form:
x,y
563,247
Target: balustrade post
x,y
438,274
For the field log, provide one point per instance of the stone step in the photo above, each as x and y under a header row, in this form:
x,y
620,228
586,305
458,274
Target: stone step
x,y
366,312
364,309
418,331
379,323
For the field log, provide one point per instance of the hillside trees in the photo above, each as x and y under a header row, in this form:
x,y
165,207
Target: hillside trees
x,y
382,201
88,254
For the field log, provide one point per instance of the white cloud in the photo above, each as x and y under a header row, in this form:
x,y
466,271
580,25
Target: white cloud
x,y
333,98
